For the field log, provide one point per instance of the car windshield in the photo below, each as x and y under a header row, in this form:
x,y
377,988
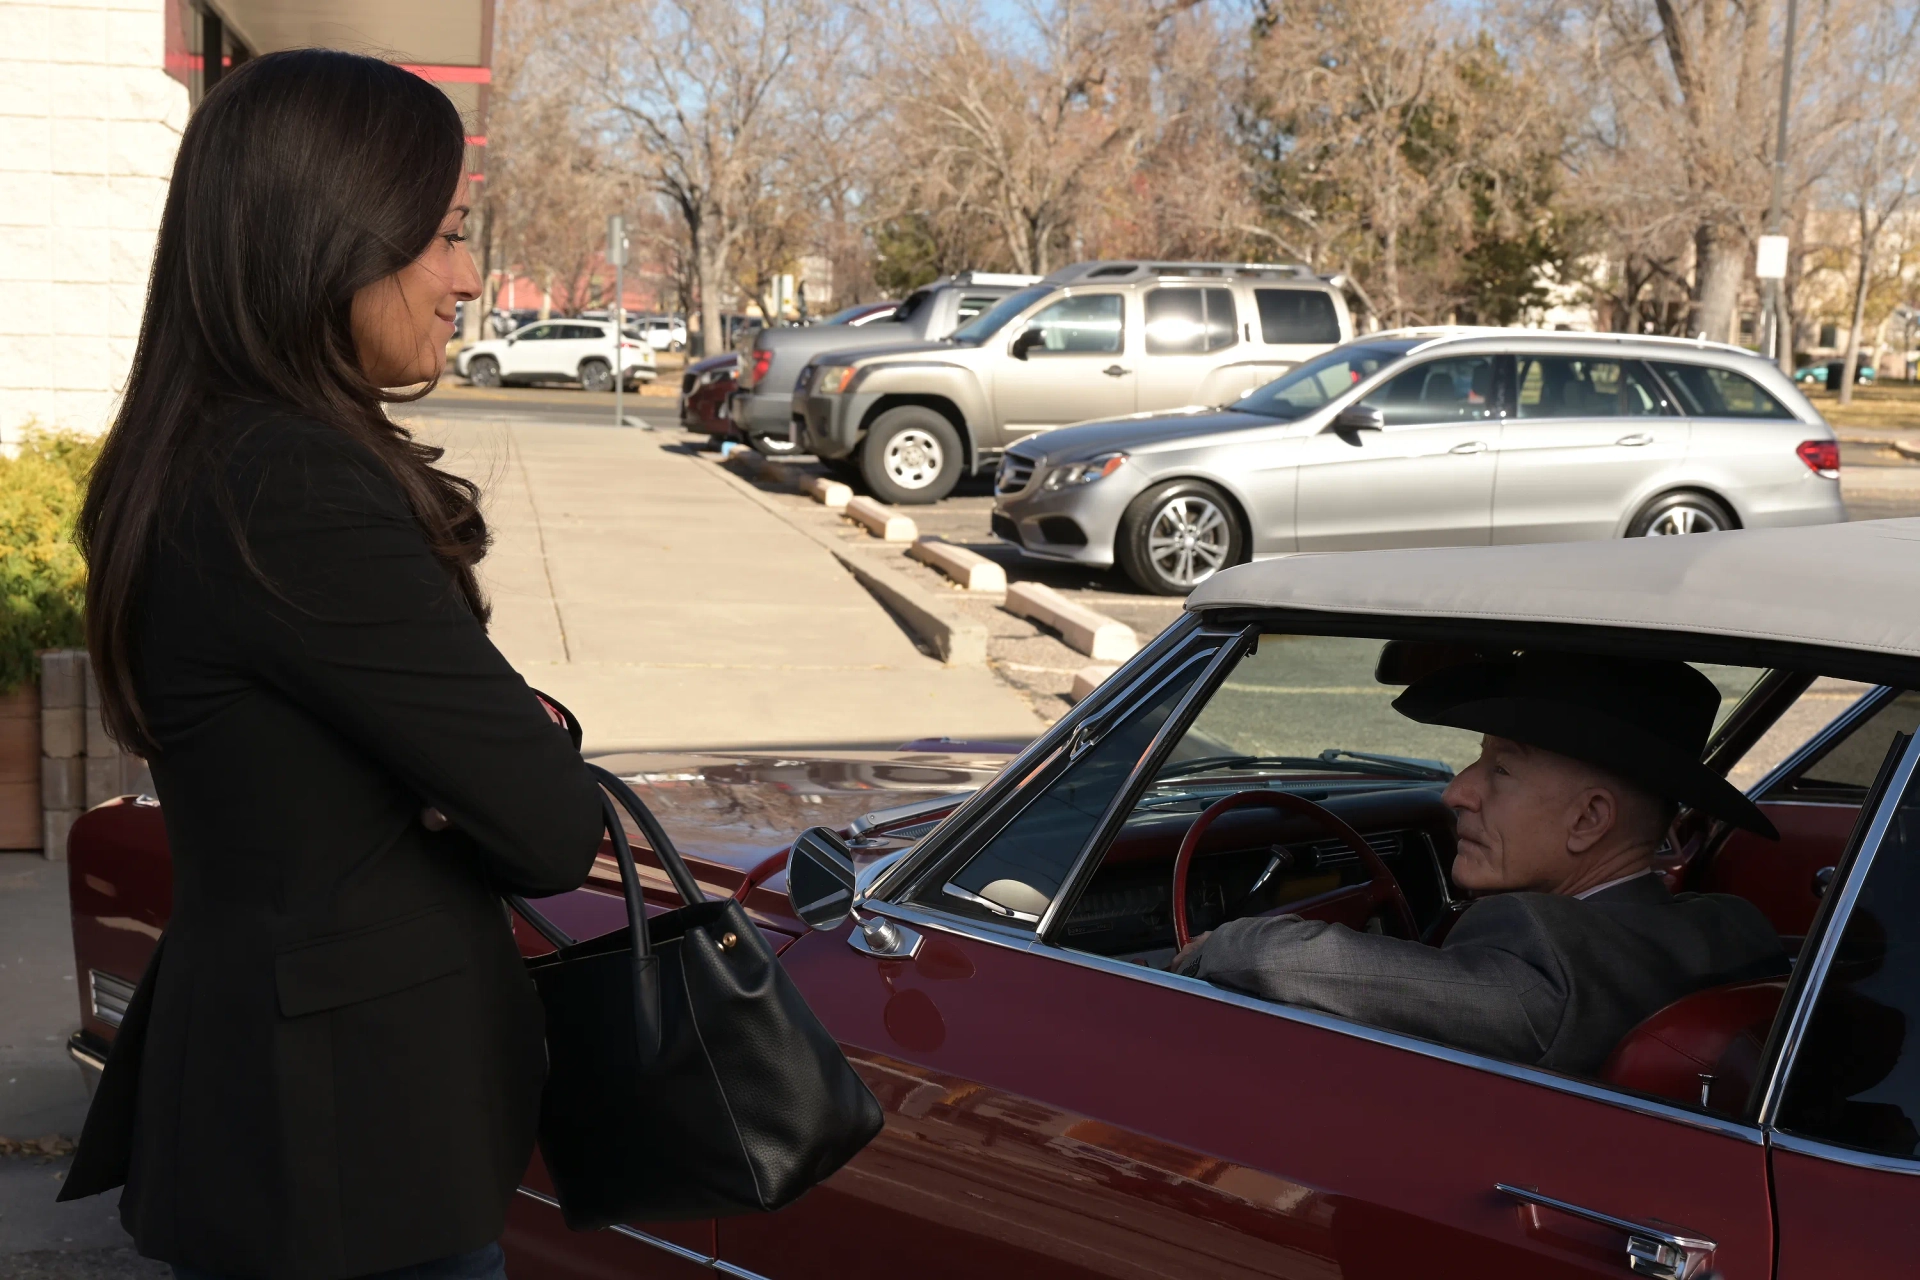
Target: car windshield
x,y
1307,387
988,323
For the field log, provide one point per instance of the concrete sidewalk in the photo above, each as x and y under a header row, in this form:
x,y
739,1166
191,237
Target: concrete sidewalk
x,y
668,611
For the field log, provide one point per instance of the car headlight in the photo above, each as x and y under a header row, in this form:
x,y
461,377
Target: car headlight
x,y
833,378
1087,472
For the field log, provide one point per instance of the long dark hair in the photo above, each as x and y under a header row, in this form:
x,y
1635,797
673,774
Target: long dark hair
x,y
303,177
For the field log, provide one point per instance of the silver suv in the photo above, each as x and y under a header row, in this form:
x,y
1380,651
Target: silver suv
x,y
1094,340
1432,438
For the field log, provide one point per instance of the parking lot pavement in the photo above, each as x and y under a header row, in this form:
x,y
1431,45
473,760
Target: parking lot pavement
x,y
669,611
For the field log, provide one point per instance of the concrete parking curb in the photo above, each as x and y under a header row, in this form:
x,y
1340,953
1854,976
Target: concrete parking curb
x,y
1907,449
968,568
830,494
956,640
881,520
1094,634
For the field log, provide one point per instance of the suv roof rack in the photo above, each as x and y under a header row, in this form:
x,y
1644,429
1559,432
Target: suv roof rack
x,y
1439,332
1147,269
989,277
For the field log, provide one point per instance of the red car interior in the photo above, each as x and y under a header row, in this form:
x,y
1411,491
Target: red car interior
x,y
1703,1049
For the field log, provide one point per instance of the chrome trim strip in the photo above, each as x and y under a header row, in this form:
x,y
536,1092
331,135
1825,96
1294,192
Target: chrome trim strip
x,y
1227,653
975,930
1816,972
109,996
1392,1039
1845,1155
86,1059
665,1246
1865,705
912,809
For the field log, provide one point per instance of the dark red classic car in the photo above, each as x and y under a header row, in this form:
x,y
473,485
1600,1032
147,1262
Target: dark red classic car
x,y
705,388
1060,1104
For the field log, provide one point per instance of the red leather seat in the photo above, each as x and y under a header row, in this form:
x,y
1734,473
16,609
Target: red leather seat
x,y
1711,1038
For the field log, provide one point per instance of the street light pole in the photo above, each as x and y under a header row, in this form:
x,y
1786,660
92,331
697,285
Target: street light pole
x,y
1778,326
617,254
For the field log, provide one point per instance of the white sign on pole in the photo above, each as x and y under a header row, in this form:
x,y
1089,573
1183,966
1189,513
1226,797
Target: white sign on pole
x,y
1770,262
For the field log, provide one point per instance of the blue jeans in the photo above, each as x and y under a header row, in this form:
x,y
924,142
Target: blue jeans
x,y
482,1264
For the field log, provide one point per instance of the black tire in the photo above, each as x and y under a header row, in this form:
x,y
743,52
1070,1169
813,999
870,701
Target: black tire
x,y
484,371
596,375
1176,535
1681,513
770,446
911,456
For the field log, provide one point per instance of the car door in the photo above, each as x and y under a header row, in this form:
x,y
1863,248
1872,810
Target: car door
x,y
1845,1102
1185,329
1053,1112
1586,437
532,352
1077,367
1424,478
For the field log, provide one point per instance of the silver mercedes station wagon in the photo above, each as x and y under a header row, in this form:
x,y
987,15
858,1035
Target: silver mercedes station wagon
x,y
1413,438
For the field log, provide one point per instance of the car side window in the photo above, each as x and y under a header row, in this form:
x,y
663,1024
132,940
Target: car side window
x,y
1291,316
1085,324
1843,771
1455,390
1709,392
1019,870
1580,387
971,305
1856,1079
536,332
1190,322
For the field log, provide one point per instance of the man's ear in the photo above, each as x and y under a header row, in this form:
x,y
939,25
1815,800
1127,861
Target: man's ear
x,y
1596,811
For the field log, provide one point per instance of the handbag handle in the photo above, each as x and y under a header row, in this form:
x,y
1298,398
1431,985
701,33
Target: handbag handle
x,y
646,972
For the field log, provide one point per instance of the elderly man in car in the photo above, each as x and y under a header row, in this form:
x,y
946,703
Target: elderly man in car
x,y
1574,938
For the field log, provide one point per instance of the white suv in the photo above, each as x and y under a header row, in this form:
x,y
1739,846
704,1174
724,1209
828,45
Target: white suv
x,y
569,350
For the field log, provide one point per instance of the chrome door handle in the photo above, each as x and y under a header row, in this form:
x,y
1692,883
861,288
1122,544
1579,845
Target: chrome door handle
x,y
1635,440
1471,446
1650,1251
1116,371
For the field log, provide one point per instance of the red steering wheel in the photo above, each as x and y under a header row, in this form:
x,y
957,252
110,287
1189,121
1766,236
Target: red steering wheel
x,y
1355,901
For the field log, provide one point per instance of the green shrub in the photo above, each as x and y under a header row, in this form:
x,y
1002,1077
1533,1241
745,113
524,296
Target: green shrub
x,y
42,578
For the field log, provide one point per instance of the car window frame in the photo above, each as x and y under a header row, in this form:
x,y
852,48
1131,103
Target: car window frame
x,y
1808,978
1676,396
1499,407
1815,749
1127,326
1669,406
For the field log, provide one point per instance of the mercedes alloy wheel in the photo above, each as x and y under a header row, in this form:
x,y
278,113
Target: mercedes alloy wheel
x,y
1681,513
1177,535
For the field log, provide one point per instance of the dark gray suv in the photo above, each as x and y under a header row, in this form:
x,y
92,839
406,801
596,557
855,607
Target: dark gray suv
x,y
762,409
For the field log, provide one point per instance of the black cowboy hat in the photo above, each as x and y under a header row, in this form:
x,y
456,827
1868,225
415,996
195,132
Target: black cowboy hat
x,y
1645,720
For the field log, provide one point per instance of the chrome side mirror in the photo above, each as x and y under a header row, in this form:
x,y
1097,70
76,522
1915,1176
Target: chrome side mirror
x,y
820,878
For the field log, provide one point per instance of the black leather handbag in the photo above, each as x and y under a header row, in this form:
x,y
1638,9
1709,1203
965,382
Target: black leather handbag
x,y
686,1077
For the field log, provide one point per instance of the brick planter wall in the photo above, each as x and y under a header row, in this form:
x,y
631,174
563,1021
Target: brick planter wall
x,y
20,769
80,766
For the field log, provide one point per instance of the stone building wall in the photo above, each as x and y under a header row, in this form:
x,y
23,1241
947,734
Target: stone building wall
x,y
89,122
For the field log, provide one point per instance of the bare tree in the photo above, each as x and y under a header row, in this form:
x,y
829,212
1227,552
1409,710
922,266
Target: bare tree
x,y
690,92
1875,175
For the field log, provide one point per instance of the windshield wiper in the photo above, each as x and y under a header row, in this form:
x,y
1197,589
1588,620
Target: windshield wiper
x,y
1327,761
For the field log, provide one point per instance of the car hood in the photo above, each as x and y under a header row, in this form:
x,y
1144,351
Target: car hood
x,y
870,351
1140,431
734,809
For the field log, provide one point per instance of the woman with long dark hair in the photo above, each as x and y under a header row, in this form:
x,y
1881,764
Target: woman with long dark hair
x,y
332,1067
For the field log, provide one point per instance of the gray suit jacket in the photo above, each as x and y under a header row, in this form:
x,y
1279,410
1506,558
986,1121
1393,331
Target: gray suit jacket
x,y
1529,977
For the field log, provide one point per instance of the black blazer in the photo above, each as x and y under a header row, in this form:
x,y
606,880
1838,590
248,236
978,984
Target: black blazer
x,y
334,1063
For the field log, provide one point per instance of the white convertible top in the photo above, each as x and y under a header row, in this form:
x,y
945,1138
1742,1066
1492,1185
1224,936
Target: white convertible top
x,y
1849,586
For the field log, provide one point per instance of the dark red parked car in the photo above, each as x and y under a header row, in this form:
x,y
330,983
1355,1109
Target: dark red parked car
x,y
705,388
1059,1104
